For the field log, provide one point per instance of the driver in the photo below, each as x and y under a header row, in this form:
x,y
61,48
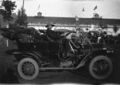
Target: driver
x,y
52,34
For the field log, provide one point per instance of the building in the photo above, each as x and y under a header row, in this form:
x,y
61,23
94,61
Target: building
x,y
39,22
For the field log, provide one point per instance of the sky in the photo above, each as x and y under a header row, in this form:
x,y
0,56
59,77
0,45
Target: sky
x,y
71,8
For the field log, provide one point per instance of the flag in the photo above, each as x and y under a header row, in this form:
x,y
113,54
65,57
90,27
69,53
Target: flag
x,y
38,6
95,7
83,10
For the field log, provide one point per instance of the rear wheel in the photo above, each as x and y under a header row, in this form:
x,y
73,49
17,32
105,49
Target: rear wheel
x,y
28,68
100,67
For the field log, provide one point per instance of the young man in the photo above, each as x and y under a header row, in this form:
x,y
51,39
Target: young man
x,y
55,36
52,35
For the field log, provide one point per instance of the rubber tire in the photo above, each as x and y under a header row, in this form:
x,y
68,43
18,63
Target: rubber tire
x,y
21,74
100,57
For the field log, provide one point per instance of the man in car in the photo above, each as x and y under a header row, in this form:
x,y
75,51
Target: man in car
x,y
55,36
52,35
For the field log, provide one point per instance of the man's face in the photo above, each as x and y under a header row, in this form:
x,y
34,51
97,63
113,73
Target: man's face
x,y
50,27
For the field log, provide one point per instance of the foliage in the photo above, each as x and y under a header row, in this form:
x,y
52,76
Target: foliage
x,y
9,7
21,18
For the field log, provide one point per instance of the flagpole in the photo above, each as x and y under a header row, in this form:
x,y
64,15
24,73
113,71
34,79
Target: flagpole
x,y
83,10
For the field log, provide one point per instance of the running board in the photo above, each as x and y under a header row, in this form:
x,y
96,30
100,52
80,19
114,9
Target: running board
x,y
56,68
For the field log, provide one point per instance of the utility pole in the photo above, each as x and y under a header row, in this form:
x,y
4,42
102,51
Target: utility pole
x,y
23,4
2,2
22,8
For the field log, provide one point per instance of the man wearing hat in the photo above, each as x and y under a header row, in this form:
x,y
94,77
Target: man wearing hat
x,y
52,34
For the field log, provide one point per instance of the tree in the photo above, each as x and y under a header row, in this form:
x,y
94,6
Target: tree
x,y
21,18
9,6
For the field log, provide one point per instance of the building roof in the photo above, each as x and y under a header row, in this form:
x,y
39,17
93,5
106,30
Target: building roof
x,y
72,20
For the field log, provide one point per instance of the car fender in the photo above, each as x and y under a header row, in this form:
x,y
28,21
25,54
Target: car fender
x,y
88,57
33,54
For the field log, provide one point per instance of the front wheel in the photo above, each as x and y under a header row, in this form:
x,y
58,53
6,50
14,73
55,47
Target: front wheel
x,y
28,68
100,67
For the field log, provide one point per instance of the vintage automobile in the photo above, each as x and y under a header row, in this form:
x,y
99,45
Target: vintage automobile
x,y
37,52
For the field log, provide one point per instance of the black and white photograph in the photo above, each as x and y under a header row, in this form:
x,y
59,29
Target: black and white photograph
x,y
60,42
